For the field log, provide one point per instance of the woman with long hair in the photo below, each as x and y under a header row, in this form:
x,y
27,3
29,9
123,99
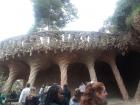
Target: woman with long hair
x,y
55,96
95,94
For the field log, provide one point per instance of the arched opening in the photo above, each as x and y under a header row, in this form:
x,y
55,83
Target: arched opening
x,y
18,84
105,75
129,66
16,89
77,73
48,76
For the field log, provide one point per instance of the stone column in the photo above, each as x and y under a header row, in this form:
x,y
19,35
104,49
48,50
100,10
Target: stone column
x,y
63,65
11,79
34,69
17,70
9,82
119,79
90,64
137,94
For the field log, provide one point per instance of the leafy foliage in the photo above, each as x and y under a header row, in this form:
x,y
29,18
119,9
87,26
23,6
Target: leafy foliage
x,y
54,14
134,12
123,15
2,80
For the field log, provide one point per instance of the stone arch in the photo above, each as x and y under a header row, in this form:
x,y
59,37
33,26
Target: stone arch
x,y
129,66
77,73
105,75
48,76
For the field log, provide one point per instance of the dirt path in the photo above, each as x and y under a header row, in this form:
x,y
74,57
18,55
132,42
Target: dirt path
x,y
121,102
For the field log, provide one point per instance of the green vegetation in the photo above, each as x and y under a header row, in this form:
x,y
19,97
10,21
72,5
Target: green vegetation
x,y
123,16
134,12
54,14
2,80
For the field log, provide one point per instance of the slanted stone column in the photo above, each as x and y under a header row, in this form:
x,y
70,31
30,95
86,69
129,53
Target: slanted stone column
x,y
11,79
137,95
63,65
119,80
17,70
34,69
90,64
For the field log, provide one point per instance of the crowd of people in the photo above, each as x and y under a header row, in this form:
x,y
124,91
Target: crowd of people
x,y
86,94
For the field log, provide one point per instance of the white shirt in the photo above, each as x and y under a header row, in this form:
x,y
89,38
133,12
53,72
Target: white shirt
x,y
82,88
24,94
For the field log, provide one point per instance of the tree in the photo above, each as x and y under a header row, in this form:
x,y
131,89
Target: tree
x,y
53,14
108,27
123,16
2,80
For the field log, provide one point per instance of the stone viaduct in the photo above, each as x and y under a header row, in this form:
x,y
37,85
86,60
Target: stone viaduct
x,y
69,58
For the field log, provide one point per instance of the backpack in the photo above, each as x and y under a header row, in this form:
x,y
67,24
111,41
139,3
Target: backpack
x,y
42,98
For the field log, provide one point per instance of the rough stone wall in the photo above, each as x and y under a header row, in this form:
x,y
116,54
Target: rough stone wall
x,y
63,41
31,57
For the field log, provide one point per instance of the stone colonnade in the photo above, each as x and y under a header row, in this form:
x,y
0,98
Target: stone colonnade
x,y
17,71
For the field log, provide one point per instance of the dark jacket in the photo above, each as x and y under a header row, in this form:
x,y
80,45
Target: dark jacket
x,y
67,94
64,102
31,100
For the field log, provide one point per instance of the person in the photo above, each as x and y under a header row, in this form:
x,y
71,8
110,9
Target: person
x,y
55,96
43,95
24,94
13,94
82,87
32,98
66,92
41,91
2,99
95,94
75,100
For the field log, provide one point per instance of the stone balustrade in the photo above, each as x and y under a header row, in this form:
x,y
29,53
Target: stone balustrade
x,y
61,40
